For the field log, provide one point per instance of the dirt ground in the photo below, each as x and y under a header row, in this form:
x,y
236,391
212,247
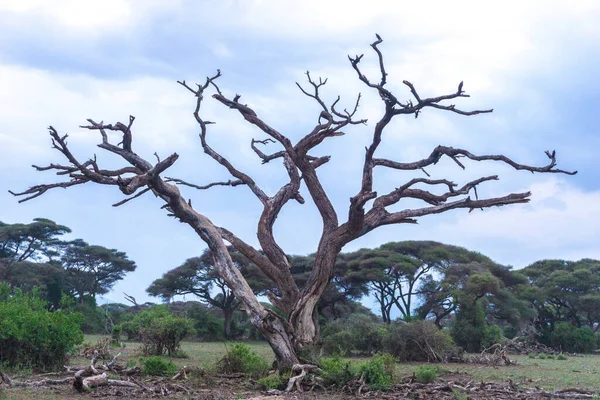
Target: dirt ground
x,y
242,388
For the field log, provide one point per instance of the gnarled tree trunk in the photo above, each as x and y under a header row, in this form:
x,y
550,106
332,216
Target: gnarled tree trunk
x,y
288,336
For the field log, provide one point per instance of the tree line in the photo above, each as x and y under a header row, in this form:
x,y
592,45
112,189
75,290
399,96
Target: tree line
x,y
36,255
455,288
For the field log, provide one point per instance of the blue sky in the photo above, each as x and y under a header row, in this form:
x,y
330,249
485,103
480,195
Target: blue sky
x,y
536,63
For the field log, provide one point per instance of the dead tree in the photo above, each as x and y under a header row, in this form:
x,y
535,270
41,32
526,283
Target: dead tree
x,y
367,209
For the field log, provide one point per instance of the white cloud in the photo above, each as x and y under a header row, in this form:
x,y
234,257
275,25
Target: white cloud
x,y
559,222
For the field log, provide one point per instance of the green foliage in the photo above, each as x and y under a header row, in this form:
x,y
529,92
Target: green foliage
x,y
94,320
565,292
543,356
469,327
337,372
159,330
30,335
158,366
561,357
426,373
240,358
531,355
492,334
273,381
459,395
572,339
379,372
418,341
164,335
116,333
358,332
208,326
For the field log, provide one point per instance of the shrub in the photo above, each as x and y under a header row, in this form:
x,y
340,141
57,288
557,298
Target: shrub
x,y
418,341
116,333
160,331
32,336
543,356
208,326
240,358
379,372
274,381
358,333
531,355
492,334
426,373
158,366
469,327
337,372
567,337
164,335
340,343
561,357
93,320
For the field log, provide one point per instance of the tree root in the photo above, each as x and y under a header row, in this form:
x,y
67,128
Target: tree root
x,y
301,379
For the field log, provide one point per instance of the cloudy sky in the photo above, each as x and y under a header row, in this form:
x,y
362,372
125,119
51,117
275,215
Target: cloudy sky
x,y
535,63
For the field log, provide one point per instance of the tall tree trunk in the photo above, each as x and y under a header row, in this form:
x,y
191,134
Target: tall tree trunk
x,y
228,323
303,316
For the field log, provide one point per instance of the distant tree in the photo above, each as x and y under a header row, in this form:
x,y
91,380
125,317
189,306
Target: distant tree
x,y
29,257
297,328
198,276
93,270
37,241
564,291
466,280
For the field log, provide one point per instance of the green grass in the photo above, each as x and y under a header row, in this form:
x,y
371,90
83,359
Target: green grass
x,y
580,372
204,354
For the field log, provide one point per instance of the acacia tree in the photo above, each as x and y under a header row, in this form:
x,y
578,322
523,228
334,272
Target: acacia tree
x,y
288,335
198,276
92,270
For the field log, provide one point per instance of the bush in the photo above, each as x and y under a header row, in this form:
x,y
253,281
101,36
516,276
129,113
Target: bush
x,y
158,366
337,372
543,356
242,359
379,372
418,341
116,333
274,381
561,357
531,355
32,336
340,343
208,326
160,331
93,320
492,334
358,333
567,337
426,373
164,335
469,327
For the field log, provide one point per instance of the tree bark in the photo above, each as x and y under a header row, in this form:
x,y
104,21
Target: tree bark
x,y
228,316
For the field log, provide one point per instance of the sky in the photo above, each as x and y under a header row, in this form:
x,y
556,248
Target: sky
x,y
535,63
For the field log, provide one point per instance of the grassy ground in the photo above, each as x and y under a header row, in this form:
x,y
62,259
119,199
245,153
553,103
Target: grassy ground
x,y
551,374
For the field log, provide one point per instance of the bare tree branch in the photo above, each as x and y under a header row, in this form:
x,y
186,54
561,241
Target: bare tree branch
x,y
199,93
454,154
236,182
